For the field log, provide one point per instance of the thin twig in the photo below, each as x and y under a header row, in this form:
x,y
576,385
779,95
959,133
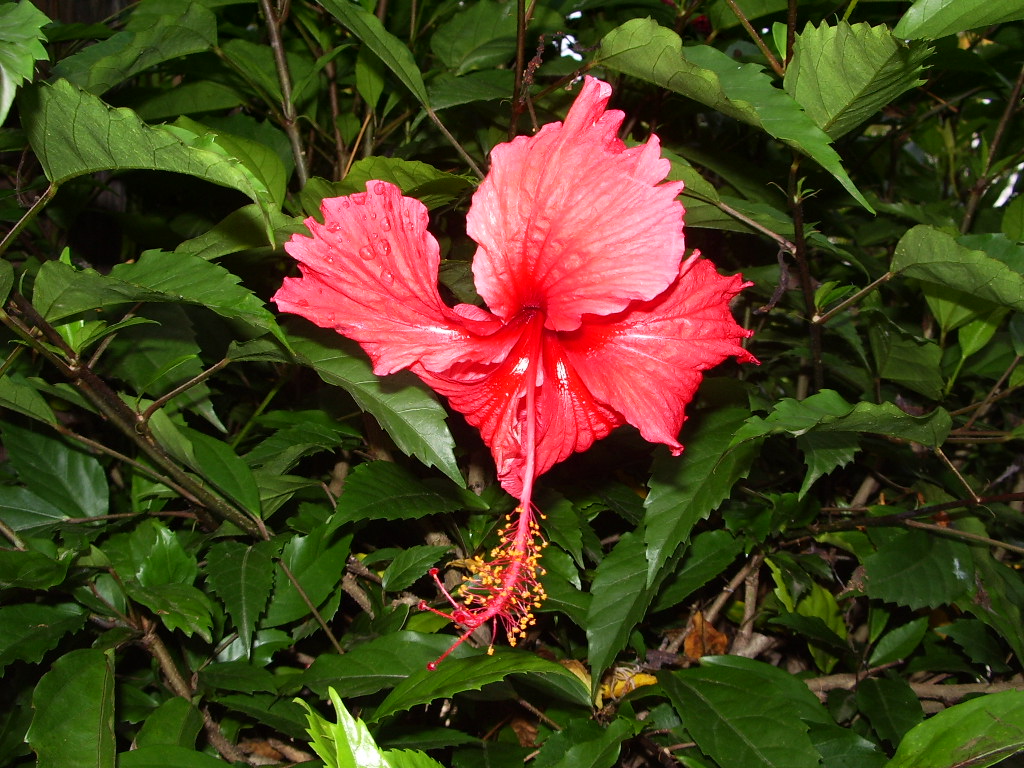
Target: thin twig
x,y
804,271
983,182
822,319
772,61
200,378
152,643
312,608
27,217
289,116
711,614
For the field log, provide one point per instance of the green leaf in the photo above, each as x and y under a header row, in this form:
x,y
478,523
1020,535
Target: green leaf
x,y
480,36
6,276
999,597
182,277
843,748
227,472
644,49
317,562
920,570
722,16
238,676
269,710
906,359
381,490
178,606
446,90
28,631
258,159
890,705
746,713
68,479
73,725
242,578
175,723
17,394
430,186
167,756
621,596
979,732
843,75
932,256
584,744
160,556
456,675
824,452
409,565
1013,220
933,19
369,77
403,406
899,642
347,744
389,49
827,411
26,569
687,489
24,511
148,39
73,133
62,291
374,666
21,33
708,555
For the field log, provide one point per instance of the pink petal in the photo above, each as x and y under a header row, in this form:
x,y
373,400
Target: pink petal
x,y
494,399
647,362
571,222
370,273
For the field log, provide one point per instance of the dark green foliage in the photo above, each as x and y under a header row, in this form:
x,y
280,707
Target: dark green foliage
x,y
216,523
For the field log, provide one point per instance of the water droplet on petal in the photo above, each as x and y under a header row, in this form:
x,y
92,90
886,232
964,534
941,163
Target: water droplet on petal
x,y
344,202
386,277
366,253
385,246
385,224
379,188
359,199
331,317
333,226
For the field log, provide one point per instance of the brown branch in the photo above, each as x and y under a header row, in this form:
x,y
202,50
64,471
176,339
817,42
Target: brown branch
x,y
289,118
111,406
152,643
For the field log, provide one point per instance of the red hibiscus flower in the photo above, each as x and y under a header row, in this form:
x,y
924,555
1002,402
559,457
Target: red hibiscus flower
x,y
594,317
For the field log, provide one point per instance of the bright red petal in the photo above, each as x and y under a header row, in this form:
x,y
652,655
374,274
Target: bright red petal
x,y
494,399
571,222
370,273
647,362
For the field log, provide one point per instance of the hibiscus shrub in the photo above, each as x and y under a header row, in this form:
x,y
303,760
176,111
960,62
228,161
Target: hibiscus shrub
x,y
436,529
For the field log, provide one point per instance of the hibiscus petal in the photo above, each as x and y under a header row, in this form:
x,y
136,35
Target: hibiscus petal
x,y
370,273
571,222
647,362
494,400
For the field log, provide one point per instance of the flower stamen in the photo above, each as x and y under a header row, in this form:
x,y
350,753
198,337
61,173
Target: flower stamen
x,y
504,589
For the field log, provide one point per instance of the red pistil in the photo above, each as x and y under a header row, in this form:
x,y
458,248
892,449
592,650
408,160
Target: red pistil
x,y
503,589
